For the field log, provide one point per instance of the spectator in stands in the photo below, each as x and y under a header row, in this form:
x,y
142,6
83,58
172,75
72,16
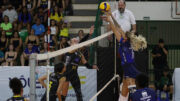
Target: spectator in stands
x,y
30,5
6,26
33,39
3,41
68,7
80,35
54,28
64,30
1,57
44,50
38,28
4,4
16,41
166,82
56,14
24,18
11,13
52,42
17,4
17,89
143,93
23,33
40,14
43,4
27,52
59,3
15,26
10,56
159,54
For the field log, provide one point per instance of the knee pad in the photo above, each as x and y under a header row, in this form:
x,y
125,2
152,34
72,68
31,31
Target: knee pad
x,y
132,89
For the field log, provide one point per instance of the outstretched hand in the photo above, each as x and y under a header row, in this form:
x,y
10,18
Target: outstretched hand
x,y
91,30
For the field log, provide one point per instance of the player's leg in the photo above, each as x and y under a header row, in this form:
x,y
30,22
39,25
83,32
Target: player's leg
x,y
65,90
75,81
124,93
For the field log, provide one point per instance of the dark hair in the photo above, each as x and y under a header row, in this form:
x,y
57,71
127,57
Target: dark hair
x,y
58,67
16,85
16,32
161,41
142,80
24,15
53,12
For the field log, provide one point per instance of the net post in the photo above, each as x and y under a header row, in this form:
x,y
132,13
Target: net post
x,y
32,62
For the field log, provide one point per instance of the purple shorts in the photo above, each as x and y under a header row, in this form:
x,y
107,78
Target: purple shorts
x,y
130,70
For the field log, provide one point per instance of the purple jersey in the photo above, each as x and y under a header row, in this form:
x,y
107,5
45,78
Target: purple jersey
x,y
145,94
126,52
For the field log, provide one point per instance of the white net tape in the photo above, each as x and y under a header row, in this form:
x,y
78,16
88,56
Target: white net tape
x,y
74,47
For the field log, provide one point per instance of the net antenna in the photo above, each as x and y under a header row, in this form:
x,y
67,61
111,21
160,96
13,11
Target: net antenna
x,y
48,59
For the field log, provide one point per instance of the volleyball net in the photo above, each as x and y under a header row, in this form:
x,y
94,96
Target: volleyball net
x,y
94,84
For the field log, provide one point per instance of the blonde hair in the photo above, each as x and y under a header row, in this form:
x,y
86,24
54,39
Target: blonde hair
x,y
137,42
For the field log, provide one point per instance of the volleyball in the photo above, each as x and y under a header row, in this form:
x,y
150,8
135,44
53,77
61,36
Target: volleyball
x,y
104,6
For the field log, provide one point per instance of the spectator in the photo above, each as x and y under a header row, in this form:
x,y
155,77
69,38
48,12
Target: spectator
x,y
64,30
3,41
23,33
143,93
80,35
40,14
24,18
10,56
4,4
68,7
30,5
32,39
44,50
1,57
56,14
43,4
59,3
7,27
15,26
17,4
52,41
27,52
38,28
16,41
54,28
166,82
11,13
159,54
17,89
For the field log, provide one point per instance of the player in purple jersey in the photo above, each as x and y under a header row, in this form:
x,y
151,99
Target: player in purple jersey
x,y
143,93
128,44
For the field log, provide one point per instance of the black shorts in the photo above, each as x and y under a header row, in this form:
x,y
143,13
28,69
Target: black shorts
x,y
51,97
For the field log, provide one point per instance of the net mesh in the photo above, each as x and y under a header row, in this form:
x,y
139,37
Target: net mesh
x,y
91,80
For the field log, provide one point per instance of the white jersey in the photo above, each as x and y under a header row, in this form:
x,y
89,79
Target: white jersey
x,y
125,20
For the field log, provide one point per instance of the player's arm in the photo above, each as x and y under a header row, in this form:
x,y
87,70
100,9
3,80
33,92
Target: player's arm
x,y
133,28
114,28
61,82
84,61
41,80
